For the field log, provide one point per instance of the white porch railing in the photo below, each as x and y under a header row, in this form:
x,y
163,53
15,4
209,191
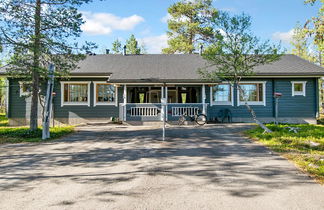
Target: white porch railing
x,y
144,111
188,111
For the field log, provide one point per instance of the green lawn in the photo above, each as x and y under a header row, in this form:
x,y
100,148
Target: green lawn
x,y
23,134
305,148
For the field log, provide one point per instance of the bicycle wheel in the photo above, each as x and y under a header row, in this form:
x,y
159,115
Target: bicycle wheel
x,y
201,119
181,120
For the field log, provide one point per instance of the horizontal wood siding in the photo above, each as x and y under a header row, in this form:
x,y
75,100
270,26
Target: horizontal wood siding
x,y
241,111
296,106
84,111
17,104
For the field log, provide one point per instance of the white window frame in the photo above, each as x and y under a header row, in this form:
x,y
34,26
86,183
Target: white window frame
x,y
21,92
75,103
95,103
257,103
213,103
298,93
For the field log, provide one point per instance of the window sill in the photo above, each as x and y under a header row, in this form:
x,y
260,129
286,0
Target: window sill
x,y
224,103
75,104
105,104
298,94
253,103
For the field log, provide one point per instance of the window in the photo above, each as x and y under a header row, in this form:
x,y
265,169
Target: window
x,y
298,88
253,92
221,94
105,94
25,88
75,93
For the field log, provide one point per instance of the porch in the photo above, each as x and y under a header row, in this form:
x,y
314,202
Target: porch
x,y
143,103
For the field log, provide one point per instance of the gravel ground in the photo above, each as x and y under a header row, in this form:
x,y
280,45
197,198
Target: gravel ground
x,y
210,167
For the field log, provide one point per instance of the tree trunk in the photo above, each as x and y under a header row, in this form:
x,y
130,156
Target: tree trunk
x,y
36,63
267,130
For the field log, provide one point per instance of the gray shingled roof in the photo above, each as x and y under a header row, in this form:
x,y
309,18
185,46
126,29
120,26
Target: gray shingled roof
x,y
181,67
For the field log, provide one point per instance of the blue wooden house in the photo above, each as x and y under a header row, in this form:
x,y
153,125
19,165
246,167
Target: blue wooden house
x,y
130,88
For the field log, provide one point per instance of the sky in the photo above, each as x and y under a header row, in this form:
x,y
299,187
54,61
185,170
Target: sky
x,y
109,20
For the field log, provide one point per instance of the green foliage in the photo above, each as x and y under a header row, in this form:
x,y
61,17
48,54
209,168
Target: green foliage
x,y
235,51
305,148
190,25
314,28
36,33
300,43
23,134
132,46
3,119
117,47
59,23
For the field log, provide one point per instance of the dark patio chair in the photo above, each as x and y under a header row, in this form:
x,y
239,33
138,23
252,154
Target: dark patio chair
x,y
224,114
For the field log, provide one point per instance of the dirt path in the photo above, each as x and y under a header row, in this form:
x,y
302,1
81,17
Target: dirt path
x,y
130,168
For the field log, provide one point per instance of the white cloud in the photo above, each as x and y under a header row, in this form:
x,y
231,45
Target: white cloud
x,y
105,23
154,44
166,18
283,36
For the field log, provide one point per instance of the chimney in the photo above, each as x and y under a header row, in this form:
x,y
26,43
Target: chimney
x,y
107,51
201,49
124,50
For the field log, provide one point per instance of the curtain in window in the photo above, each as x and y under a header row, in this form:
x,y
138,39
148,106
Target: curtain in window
x,y
75,92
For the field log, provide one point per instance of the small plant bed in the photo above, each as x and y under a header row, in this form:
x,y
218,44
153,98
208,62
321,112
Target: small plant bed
x,y
23,134
302,144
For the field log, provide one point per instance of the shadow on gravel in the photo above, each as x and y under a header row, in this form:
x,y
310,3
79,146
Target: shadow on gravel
x,y
217,155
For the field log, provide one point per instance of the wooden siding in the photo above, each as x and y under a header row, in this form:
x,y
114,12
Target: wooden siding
x,y
289,106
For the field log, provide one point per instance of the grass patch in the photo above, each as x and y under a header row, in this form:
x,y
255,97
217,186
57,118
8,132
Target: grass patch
x,y
23,134
305,148
3,120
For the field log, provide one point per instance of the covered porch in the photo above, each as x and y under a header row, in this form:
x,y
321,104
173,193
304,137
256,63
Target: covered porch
x,y
143,102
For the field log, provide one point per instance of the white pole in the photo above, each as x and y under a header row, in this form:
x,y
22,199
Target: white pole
x,y
166,105
203,98
162,109
48,103
124,102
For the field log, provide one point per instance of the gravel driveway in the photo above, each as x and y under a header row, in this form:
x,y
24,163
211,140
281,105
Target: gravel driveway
x,y
210,167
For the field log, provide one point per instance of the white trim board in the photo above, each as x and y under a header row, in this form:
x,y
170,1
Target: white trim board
x,y
228,103
75,103
257,103
298,93
95,103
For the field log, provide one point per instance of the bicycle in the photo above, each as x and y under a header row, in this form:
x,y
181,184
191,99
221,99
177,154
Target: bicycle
x,y
200,119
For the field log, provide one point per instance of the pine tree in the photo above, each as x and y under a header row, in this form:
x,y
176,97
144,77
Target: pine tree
x,y
132,46
36,33
190,25
117,47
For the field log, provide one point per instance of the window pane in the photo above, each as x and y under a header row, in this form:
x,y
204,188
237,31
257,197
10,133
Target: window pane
x,y
222,93
75,92
252,92
105,93
298,87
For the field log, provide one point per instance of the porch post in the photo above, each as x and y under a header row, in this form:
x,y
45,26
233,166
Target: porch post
x,y
203,98
166,106
125,102
162,109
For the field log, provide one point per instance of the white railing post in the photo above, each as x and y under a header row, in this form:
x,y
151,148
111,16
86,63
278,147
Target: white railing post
x,y
125,102
203,97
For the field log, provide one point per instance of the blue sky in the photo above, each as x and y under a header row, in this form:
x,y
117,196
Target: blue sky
x,y
110,19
